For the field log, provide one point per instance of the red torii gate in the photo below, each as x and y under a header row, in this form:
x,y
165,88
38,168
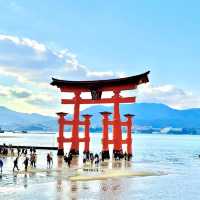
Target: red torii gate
x,y
96,88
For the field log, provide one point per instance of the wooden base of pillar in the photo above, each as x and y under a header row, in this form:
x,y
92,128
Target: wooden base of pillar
x,y
129,156
60,152
118,154
105,155
86,152
74,152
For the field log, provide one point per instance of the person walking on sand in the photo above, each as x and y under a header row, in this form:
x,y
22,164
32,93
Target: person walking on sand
x,y
16,164
49,160
1,165
26,163
18,151
34,159
31,160
69,161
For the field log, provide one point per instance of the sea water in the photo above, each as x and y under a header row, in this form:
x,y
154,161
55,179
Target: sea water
x,y
176,156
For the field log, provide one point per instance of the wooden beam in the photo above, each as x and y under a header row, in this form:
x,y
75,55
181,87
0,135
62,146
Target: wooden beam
x,y
101,101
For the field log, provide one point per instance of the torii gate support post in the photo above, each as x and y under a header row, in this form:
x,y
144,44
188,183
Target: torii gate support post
x,y
60,139
117,131
105,143
75,128
129,134
87,133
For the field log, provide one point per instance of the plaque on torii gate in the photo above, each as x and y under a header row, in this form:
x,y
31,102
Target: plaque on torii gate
x,y
96,88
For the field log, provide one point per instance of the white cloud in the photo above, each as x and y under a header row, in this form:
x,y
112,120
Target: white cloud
x,y
23,100
38,47
168,94
31,61
32,64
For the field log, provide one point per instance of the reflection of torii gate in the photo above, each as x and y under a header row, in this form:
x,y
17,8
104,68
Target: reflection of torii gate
x,y
96,88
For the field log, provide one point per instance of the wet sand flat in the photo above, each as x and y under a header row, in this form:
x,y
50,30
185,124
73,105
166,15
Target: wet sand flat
x,y
113,174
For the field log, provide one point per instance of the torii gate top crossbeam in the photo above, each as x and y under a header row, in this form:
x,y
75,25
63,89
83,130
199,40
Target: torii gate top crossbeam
x,y
127,83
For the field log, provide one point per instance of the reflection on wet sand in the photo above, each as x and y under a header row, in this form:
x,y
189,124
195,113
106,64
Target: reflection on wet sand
x,y
25,181
75,189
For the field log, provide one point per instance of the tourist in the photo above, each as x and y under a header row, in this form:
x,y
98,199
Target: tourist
x,y
49,160
84,158
16,164
25,152
91,158
51,154
70,156
97,160
65,157
1,165
69,161
125,155
18,151
22,152
12,152
88,155
26,163
31,150
34,150
33,160
96,155
129,157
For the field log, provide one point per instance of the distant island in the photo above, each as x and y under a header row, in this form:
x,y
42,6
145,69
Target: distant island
x,y
150,118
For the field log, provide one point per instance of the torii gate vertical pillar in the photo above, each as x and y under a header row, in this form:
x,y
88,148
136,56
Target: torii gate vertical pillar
x,y
129,134
105,143
75,128
117,131
87,133
60,139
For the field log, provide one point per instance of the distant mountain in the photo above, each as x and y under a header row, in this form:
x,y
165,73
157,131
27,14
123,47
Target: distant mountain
x,y
147,114
12,120
152,114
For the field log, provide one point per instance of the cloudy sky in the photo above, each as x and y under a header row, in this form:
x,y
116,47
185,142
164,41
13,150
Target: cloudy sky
x,y
98,40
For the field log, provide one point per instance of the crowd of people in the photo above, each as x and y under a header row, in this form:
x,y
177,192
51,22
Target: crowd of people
x,y
97,158
30,157
4,150
92,158
68,158
118,155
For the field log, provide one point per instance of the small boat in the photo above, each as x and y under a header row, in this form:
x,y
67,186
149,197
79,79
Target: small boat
x,y
24,132
1,131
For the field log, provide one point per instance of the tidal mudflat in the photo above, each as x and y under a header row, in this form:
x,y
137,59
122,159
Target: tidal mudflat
x,y
164,167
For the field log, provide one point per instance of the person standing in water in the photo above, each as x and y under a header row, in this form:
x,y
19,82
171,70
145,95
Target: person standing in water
x,y
49,160
16,164
26,163
69,161
1,165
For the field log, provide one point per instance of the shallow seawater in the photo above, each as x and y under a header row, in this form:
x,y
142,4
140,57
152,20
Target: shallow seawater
x,y
174,156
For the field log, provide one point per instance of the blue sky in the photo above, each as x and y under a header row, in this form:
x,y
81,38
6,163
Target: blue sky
x,y
107,38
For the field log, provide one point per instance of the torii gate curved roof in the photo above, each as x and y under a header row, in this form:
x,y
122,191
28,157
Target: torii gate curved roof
x,y
127,83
